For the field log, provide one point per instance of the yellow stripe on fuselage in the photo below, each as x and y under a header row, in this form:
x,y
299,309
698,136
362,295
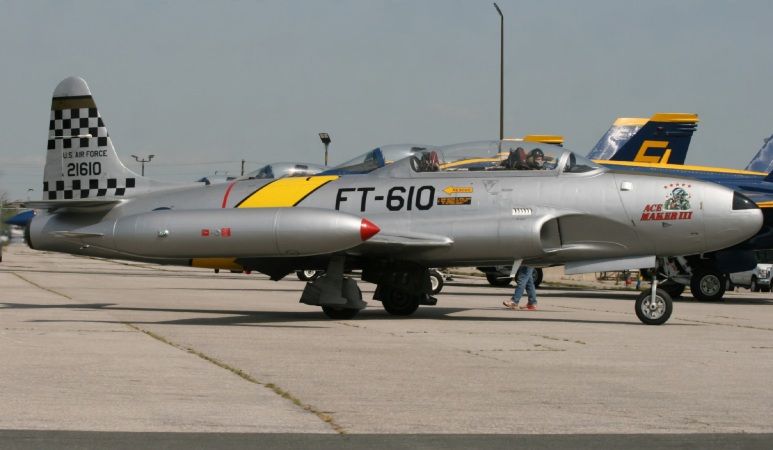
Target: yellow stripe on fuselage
x,y
282,192
285,192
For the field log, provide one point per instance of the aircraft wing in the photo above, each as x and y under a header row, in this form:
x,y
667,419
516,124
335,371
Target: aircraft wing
x,y
90,204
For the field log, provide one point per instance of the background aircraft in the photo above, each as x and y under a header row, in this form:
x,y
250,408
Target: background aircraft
x,y
763,160
705,274
393,224
21,219
663,138
286,169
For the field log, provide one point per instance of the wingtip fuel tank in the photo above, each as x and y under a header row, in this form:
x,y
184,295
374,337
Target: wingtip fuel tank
x,y
249,232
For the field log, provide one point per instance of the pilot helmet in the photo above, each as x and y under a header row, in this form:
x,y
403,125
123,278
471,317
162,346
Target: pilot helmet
x,y
535,159
679,193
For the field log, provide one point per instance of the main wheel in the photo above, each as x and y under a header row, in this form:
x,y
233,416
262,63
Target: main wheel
x,y
536,275
754,287
340,313
707,285
654,311
399,303
495,281
308,275
437,282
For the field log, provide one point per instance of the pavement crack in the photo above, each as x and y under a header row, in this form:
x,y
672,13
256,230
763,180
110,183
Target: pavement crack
x,y
42,287
327,418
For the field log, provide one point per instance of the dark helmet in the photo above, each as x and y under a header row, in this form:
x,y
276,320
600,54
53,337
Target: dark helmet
x,y
536,158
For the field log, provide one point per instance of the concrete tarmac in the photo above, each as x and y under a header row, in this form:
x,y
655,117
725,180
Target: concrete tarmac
x,y
111,349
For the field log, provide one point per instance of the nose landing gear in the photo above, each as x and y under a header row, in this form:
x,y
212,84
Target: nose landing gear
x,y
654,306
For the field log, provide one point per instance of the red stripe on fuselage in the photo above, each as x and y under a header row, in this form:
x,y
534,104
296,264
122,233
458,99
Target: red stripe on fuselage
x,y
227,191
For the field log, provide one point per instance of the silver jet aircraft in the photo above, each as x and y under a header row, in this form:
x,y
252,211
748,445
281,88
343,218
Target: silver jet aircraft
x,y
459,205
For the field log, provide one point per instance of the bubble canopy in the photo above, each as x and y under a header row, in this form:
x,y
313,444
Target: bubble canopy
x,y
473,156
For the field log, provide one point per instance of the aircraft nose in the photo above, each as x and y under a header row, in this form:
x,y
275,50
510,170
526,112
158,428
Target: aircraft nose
x,y
738,224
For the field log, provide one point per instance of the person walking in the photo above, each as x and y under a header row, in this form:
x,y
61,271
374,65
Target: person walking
x,y
525,281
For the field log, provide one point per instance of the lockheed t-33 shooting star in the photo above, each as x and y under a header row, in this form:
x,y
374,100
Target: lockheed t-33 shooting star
x,y
458,205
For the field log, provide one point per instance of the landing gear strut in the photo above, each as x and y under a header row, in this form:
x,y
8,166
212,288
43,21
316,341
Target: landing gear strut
x,y
339,297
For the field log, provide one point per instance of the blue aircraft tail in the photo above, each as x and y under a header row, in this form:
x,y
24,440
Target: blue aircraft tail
x,y
763,160
664,139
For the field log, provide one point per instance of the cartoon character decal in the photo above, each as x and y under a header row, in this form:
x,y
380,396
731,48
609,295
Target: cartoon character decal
x,y
678,200
675,207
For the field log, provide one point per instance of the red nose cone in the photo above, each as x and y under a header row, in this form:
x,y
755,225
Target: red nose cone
x,y
368,230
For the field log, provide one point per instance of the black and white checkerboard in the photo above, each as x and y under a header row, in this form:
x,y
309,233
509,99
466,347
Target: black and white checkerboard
x,y
87,189
65,125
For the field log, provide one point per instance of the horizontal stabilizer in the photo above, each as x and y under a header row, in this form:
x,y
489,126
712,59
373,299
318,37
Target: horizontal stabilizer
x,y
89,205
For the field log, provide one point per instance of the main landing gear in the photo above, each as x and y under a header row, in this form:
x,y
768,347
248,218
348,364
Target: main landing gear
x,y
339,296
401,290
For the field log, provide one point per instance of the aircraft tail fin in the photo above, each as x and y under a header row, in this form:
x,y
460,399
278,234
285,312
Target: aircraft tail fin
x,y
664,138
81,161
763,160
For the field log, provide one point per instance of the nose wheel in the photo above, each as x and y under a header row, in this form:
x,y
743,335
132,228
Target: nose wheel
x,y
654,309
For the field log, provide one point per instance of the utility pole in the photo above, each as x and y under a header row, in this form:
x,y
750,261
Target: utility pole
x,y
325,140
143,161
501,74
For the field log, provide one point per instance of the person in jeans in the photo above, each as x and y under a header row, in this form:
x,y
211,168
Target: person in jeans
x,y
525,280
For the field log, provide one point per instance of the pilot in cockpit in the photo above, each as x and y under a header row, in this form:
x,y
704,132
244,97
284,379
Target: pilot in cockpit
x,y
429,162
536,159
518,159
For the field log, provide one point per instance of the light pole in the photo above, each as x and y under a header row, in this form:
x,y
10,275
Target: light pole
x,y
325,140
143,161
501,74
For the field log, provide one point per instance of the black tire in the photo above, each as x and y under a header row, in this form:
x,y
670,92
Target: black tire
x,y
537,277
399,303
654,312
437,282
707,285
496,281
340,313
673,288
308,275
754,287
729,286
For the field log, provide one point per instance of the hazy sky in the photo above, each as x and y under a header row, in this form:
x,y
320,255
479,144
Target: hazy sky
x,y
205,84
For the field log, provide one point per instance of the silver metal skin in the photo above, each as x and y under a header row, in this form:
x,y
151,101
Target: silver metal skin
x,y
462,205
